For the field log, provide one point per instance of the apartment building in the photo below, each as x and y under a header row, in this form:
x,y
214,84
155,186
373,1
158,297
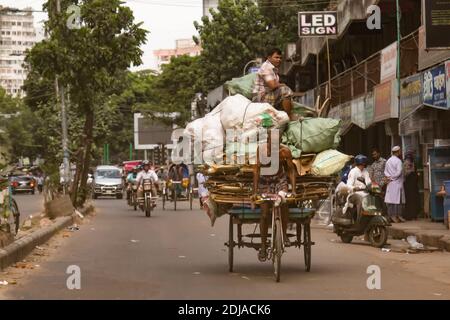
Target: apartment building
x,y
17,34
182,47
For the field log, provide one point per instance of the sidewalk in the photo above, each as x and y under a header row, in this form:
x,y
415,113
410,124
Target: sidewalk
x,y
433,234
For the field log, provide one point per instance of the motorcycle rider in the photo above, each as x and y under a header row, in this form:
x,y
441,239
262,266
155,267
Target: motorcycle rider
x,y
146,173
131,179
357,172
354,186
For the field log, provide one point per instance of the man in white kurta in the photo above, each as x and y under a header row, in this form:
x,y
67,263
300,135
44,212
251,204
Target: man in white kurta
x,y
394,193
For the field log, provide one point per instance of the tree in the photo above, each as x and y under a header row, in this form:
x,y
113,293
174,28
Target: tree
x,y
234,36
92,59
17,123
175,88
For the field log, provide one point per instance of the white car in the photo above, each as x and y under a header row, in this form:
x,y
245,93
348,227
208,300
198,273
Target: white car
x,y
108,182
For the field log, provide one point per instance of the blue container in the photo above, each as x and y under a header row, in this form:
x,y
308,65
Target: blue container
x,y
447,187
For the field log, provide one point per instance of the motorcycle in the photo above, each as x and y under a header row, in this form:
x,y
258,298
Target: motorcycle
x,y
361,212
148,202
132,195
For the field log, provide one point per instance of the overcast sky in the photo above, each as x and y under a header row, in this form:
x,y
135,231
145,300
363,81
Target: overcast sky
x,y
167,20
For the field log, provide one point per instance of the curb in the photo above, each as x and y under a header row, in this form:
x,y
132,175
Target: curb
x,y
20,248
427,238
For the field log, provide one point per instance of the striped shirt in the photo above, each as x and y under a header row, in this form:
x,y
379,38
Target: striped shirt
x,y
267,72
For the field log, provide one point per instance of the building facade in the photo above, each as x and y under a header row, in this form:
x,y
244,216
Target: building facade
x,y
182,47
17,34
364,93
209,4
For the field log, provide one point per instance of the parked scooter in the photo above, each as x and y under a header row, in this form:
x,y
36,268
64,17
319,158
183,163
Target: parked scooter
x,y
148,202
361,212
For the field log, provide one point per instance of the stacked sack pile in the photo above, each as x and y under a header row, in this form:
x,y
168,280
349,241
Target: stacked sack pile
x,y
229,158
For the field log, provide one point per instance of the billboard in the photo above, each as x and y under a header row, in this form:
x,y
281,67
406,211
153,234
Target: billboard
x,y
388,63
149,133
437,23
317,23
434,87
447,76
410,95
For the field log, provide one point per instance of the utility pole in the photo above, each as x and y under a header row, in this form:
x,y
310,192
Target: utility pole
x,y
61,97
399,37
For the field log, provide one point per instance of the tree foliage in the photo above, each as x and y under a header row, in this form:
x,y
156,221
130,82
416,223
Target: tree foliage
x,y
234,36
91,62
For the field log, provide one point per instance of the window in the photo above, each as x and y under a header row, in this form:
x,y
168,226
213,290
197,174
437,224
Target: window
x,y
20,23
13,23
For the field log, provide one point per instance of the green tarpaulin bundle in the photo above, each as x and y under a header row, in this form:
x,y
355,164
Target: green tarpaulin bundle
x,y
312,135
243,85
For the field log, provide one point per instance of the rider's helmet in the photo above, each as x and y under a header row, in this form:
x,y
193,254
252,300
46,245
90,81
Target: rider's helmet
x,y
135,169
145,163
360,160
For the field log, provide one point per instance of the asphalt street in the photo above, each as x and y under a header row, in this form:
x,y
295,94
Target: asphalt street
x,y
178,255
29,204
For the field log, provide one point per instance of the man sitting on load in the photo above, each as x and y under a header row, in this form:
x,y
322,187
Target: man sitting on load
x,y
268,88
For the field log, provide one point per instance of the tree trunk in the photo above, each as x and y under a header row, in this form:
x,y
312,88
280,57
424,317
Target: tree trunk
x,y
76,180
89,131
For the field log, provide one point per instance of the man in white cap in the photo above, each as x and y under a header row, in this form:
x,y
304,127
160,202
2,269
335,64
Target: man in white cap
x,y
394,192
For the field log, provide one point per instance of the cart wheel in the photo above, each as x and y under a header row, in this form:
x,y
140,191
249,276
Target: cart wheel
x,y
175,200
307,246
164,200
148,207
230,245
278,245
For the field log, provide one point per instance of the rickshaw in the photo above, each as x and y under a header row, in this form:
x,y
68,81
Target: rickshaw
x,y
172,189
302,209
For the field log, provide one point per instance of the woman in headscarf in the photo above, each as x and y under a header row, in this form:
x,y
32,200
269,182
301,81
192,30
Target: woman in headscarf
x,y
411,186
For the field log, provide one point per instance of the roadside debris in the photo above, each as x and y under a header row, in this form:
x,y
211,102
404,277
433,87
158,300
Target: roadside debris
x,y
196,273
73,228
182,257
246,278
45,222
134,241
4,283
79,214
412,240
385,250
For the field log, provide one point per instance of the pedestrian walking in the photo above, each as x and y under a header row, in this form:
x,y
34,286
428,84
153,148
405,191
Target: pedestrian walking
x,y
394,191
376,169
411,186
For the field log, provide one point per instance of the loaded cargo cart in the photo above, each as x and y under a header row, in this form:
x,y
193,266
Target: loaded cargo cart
x,y
230,189
229,153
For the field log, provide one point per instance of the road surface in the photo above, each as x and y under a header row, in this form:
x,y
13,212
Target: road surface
x,y
178,255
